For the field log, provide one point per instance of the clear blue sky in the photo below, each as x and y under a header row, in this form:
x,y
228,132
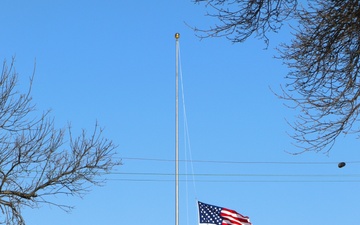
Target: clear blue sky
x,y
114,62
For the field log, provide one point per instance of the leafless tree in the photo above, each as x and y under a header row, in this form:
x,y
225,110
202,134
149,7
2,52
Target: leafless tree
x,y
239,19
35,164
323,60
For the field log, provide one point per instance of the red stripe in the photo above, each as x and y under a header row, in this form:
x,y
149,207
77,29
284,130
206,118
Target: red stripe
x,y
227,222
233,217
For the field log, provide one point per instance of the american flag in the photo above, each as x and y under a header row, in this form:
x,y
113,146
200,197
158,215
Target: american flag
x,y
210,214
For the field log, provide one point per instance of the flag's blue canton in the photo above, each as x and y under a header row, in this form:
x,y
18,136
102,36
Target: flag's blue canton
x,y
210,214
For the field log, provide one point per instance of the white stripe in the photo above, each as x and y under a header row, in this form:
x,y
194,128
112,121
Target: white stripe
x,y
229,222
234,217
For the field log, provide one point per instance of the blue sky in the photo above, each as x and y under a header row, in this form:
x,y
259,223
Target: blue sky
x,y
114,62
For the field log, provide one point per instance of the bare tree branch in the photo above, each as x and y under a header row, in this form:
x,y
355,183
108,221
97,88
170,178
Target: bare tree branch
x,y
323,59
35,163
324,62
240,19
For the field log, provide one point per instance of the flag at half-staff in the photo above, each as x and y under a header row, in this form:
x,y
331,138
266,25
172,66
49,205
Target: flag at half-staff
x,y
210,214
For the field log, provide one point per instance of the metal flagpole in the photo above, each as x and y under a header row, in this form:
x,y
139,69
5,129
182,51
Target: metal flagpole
x,y
177,36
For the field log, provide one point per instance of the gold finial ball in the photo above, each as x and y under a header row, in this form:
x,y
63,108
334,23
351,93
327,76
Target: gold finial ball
x,y
177,35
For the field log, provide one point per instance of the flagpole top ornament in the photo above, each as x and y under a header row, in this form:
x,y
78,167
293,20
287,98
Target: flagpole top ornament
x,y
177,36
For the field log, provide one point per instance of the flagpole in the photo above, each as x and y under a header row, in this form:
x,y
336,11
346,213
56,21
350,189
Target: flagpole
x,y
177,36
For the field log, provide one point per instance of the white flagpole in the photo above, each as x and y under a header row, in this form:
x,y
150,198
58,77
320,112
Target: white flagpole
x,y
177,36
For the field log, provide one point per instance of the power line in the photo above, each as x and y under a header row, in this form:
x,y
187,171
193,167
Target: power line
x,y
235,175
238,162
235,181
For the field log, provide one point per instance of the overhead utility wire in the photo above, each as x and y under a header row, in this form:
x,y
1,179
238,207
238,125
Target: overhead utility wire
x,y
237,181
237,162
231,178
240,175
